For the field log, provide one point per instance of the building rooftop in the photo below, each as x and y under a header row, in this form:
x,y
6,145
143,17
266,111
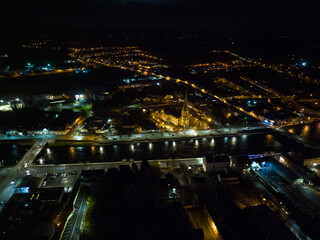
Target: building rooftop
x,y
50,194
176,112
92,175
209,158
43,231
265,222
221,158
29,181
243,159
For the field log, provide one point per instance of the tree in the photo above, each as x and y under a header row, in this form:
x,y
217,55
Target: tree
x,y
134,168
145,166
183,166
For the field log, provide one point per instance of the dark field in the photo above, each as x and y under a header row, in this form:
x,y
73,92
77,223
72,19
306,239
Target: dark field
x,y
59,83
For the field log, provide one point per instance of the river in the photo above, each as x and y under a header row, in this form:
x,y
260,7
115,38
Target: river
x,y
259,142
233,145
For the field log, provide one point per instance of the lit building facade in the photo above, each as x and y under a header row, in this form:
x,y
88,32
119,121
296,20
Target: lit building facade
x,y
175,119
185,113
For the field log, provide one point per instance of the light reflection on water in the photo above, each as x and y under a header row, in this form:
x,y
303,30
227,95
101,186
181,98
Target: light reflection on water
x,y
310,132
11,153
269,139
246,144
72,152
305,131
233,141
291,130
212,142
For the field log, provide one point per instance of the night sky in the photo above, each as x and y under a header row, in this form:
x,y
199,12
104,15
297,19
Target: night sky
x,y
292,16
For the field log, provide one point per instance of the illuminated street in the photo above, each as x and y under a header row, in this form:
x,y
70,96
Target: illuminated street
x,y
16,172
159,120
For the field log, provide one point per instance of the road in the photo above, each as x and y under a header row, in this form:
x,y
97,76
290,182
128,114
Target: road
x,y
13,174
155,136
78,167
199,220
137,137
197,87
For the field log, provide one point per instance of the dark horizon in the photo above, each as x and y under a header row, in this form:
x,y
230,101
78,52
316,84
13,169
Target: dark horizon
x,y
287,17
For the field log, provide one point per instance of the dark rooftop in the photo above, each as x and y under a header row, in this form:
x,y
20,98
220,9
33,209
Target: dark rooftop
x,y
221,158
261,219
50,194
29,181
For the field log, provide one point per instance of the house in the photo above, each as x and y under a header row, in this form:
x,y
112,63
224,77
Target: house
x,y
216,163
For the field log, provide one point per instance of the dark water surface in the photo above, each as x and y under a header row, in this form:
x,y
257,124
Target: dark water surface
x,y
310,132
233,145
10,154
